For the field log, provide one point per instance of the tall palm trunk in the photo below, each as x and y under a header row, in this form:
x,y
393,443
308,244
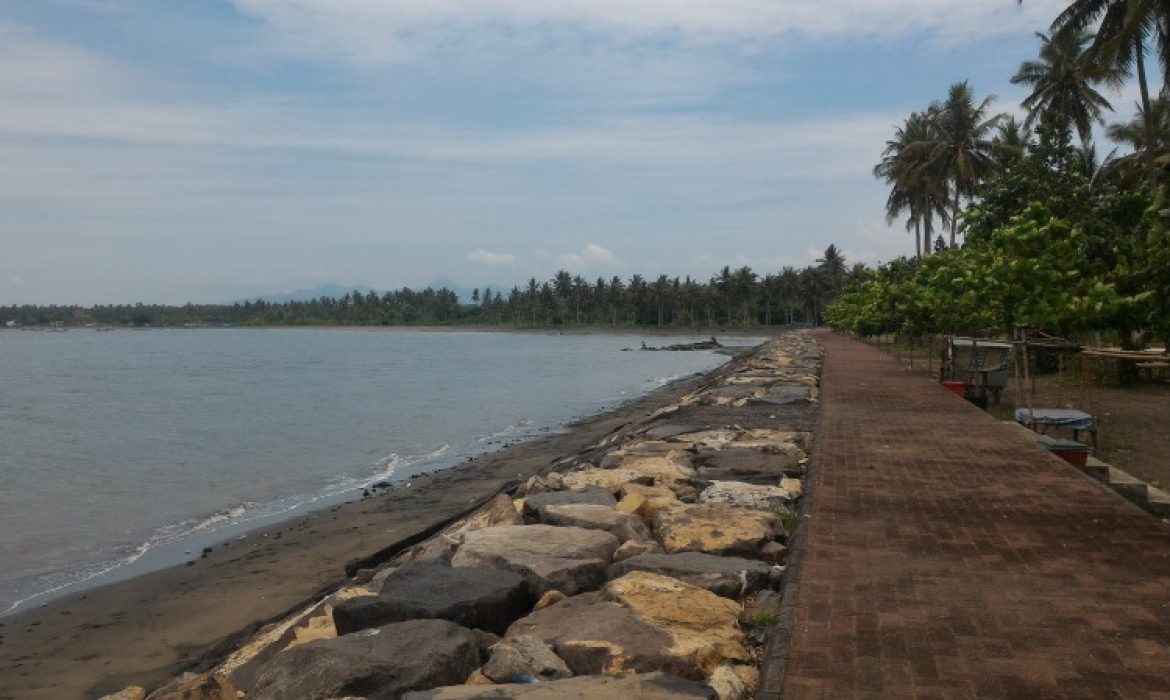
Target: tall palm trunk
x,y
927,229
955,215
1147,116
918,237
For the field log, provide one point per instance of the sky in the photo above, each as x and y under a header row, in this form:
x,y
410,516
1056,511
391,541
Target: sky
x,y
204,150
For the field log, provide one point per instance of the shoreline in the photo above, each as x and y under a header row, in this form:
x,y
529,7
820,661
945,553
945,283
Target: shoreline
x,y
145,629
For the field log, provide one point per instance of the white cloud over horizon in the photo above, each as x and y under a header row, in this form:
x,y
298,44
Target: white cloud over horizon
x,y
592,255
486,257
202,153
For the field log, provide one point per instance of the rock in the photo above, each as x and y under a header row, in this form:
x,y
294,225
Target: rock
x,y
477,678
774,553
730,577
734,681
484,641
623,526
647,501
196,686
132,692
524,659
715,528
644,686
483,598
688,490
776,578
664,468
632,548
569,559
642,448
631,503
737,493
499,511
610,480
549,598
746,464
795,487
364,576
641,622
378,664
663,431
588,495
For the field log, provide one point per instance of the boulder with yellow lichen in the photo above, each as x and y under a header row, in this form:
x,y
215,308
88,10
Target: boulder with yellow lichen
x,y
641,622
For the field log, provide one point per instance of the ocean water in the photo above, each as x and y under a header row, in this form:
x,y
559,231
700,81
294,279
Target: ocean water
x,y
116,447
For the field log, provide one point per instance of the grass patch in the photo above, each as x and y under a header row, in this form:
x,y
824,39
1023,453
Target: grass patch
x,y
763,618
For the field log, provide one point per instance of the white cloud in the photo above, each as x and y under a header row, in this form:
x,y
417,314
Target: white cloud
x,y
591,256
486,257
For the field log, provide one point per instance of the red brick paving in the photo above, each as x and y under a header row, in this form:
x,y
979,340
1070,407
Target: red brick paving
x,y
946,556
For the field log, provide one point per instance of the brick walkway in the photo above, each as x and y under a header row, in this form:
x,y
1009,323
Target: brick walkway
x,y
945,556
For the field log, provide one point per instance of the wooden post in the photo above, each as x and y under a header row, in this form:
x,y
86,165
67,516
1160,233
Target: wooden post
x,y
1060,379
1016,348
1031,382
930,354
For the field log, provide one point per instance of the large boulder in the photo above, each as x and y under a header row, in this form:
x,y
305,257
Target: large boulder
x,y
730,577
639,686
524,659
715,528
646,501
568,559
488,599
662,468
737,493
611,480
641,622
196,686
589,495
378,664
623,526
748,464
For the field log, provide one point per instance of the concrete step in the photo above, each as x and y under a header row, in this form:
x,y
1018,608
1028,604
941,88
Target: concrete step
x,y
1154,500
1130,487
1158,502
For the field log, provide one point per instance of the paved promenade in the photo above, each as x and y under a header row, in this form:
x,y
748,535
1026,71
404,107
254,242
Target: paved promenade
x,y
944,555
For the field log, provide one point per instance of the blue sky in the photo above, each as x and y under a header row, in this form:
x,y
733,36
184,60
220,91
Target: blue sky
x,y
215,149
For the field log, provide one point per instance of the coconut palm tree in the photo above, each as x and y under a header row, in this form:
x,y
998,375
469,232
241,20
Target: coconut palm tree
x,y
1012,139
913,187
1123,30
1062,80
963,150
1134,134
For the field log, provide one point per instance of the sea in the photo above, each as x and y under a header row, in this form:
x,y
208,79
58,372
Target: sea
x,y
124,451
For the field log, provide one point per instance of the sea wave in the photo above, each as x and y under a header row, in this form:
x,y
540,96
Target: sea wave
x,y
236,515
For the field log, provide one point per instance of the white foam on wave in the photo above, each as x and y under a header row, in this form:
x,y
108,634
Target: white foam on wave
x,y
163,536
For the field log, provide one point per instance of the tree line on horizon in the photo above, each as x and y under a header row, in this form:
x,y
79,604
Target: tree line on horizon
x,y
733,297
1042,230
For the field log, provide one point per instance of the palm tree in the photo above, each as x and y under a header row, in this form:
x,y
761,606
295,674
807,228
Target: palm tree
x,y
1012,139
1135,134
1123,30
963,151
743,283
1062,80
789,291
913,188
832,263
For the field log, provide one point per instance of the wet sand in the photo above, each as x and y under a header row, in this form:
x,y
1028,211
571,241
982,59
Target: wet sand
x,y
147,629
